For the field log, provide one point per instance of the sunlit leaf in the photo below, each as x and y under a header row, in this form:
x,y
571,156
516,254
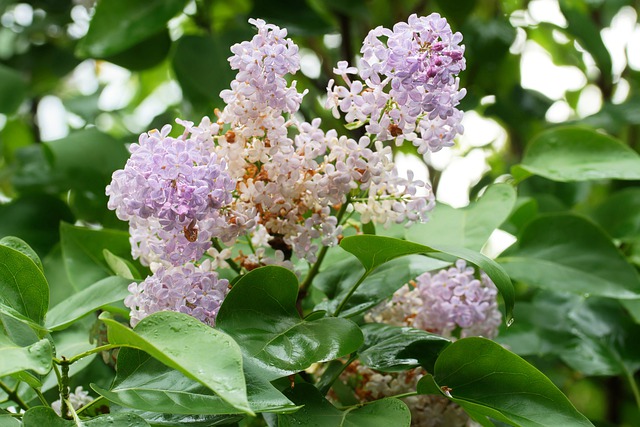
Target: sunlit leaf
x,y
182,342
578,154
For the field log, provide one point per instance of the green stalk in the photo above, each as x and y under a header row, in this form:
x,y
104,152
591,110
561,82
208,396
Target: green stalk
x,y
349,294
316,266
13,396
64,361
232,264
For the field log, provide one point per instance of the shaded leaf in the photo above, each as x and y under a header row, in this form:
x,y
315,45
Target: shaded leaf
x,y
489,381
318,412
144,383
24,293
619,214
120,24
567,252
13,90
373,251
260,314
88,300
35,219
36,357
83,251
392,348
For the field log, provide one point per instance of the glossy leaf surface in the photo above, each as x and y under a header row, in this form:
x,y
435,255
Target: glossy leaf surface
x,y
487,380
193,348
392,348
144,383
260,314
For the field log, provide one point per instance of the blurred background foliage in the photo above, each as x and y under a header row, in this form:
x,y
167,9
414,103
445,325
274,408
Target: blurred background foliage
x,y
79,80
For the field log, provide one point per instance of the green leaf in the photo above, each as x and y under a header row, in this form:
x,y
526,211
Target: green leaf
x,y
109,420
87,159
619,214
40,416
22,246
582,26
144,55
260,314
336,281
318,412
200,352
296,16
35,219
24,293
121,266
605,339
120,24
578,154
488,380
468,227
373,251
200,69
83,251
392,348
157,419
569,253
88,300
145,384
36,357
13,90
9,421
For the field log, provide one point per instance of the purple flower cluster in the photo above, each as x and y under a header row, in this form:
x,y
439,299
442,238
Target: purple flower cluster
x,y
196,291
259,92
410,90
449,301
171,191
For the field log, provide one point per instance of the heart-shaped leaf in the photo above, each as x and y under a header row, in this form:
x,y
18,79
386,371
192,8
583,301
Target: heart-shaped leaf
x,y
101,293
577,154
569,253
318,412
468,227
489,381
182,342
260,314
373,251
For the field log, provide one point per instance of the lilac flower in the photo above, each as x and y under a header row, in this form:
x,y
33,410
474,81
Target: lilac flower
x,y
454,298
449,300
411,90
188,289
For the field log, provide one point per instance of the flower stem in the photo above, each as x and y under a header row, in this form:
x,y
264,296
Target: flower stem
x,y
349,294
64,361
316,266
13,396
232,263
